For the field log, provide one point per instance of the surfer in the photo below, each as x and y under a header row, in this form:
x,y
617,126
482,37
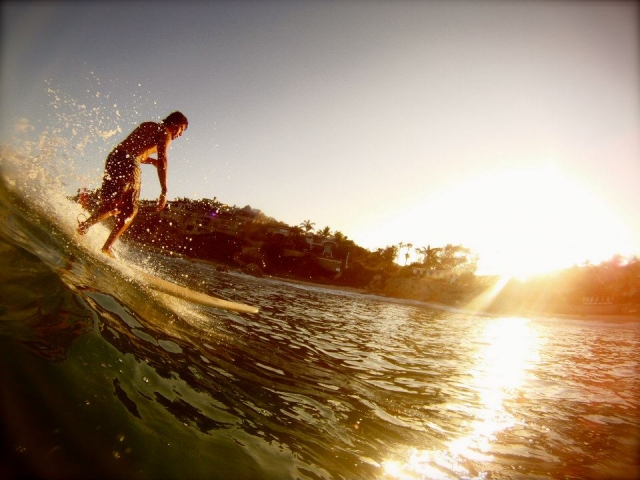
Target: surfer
x,y
120,191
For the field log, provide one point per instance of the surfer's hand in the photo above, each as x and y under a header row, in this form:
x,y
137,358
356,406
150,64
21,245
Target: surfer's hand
x,y
162,201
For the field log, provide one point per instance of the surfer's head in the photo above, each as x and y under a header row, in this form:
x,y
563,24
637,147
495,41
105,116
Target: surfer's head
x,y
177,123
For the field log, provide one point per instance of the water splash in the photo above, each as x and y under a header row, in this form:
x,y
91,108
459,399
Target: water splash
x,y
71,139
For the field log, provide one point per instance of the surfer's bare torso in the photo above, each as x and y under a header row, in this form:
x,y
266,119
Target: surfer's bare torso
x,y
147,139
121,183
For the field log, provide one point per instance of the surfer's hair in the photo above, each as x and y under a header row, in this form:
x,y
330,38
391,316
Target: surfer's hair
x,y
176,118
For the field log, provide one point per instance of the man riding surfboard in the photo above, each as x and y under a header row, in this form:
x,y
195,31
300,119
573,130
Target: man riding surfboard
x,y
120,191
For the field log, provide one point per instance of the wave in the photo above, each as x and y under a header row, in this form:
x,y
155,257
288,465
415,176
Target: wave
x,y
105,378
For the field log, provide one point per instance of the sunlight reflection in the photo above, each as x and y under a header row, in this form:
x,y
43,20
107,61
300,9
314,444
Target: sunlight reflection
x,y
484,299
509,349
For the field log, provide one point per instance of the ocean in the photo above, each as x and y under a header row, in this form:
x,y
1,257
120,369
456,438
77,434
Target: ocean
x,y
102,377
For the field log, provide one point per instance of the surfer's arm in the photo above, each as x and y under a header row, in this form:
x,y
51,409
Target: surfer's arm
x,y
162,176
161,166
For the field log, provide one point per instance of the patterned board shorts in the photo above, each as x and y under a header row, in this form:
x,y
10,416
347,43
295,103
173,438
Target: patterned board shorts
x,y
121,183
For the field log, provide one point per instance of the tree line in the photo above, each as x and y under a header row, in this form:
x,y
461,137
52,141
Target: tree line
x,y
450,268
450,258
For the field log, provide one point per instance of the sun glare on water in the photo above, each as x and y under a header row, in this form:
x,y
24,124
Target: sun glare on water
x,y
506,358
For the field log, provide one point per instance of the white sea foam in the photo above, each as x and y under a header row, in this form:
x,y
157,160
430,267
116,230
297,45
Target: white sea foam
x,y
47,165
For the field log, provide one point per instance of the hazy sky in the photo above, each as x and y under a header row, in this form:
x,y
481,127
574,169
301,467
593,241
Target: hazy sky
x,y
490,124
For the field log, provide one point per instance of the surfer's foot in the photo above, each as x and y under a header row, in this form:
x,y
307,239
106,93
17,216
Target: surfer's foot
x,y
108,252
83,227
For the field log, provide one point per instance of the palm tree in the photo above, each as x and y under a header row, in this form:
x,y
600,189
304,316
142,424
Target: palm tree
x,y
406,255
409,246
325,232
400,247
429,256
307,225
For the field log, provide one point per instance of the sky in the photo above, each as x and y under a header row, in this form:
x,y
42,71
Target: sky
x,y
511,128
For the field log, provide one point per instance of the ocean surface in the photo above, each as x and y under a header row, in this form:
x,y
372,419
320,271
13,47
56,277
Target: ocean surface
x,y
102,377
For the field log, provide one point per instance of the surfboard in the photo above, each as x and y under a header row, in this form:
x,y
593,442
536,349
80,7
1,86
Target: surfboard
x,y
158,284
189,295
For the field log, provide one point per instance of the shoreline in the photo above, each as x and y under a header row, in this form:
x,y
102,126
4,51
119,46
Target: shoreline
x,y
621,318
614,318
326,286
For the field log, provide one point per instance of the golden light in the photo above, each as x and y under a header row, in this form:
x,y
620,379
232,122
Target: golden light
x,y
520,222
508,351
536,220
511,350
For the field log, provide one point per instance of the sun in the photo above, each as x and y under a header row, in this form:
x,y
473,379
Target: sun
x,y
538,220
520,222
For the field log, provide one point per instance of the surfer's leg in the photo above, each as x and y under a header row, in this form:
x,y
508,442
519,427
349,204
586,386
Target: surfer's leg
x,y
126,215
122,223
112,191
97,217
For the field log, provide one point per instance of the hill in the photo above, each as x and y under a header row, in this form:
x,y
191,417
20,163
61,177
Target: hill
x,y
247,240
